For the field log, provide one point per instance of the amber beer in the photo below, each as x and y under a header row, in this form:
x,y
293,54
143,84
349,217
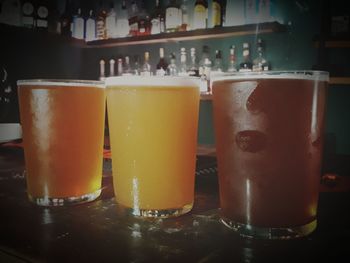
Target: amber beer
x,y
153,135
269,135
63,130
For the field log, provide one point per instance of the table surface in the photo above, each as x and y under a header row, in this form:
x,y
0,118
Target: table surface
x,y
98,232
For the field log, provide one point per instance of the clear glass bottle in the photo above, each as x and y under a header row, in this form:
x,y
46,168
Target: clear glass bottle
x,y
78,25
172,68
193,65
200,15
90,27
246,64
111,19
102,70
183,63
162,64
120,67
260,63
156,18
136,70
127,71
232,60
122,23
111,67
185,25
202,61
218,67
146,66
172,17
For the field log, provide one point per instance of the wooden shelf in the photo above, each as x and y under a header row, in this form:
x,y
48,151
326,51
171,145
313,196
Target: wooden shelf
x,y
334,44
198,34
340,80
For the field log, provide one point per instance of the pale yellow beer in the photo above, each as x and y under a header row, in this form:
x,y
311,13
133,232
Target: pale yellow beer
x,y
63,131
153,134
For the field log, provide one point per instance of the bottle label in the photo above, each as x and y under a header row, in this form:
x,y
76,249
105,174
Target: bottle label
x,y
43,12
27,8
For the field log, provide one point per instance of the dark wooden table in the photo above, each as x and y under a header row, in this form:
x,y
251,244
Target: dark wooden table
x,y
98,232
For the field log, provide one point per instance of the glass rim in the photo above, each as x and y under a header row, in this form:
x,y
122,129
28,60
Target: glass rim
x,y
154,81
274,74
61,82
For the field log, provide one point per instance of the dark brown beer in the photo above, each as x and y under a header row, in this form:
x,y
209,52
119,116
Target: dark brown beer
x,y
269,147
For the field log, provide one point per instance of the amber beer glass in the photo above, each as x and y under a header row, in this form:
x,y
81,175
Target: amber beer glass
x,y
153,135
269,135
63,131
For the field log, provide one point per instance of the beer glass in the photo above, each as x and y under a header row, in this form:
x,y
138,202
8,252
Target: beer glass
x,y
63,132
153,135
269,139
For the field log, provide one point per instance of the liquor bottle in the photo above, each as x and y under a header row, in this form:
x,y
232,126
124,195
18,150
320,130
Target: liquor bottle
x,y
101,32
42,15
123,28
78,25
90,27
162,65
172,68
260,63
157,16
127,71
28,14
172,17
193,67
250,11
232,60
183,63
214,14
218,67
246,64
200,15
66,19
185,25
144,21
146,67
203,61
102,70
136,67
133,18
120,67
10,12
111,67
111,19
264,14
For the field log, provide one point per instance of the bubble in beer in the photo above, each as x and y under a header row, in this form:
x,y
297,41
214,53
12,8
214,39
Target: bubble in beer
x,y
251,141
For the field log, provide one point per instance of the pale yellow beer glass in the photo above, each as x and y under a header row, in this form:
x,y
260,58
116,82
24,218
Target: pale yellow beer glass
x,y
153,134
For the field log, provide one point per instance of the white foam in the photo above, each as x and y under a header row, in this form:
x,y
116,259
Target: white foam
x,y
153,81
301,75
64,83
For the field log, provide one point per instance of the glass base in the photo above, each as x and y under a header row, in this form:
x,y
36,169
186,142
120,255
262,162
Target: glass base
x,y
270,232
157,213
64,201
